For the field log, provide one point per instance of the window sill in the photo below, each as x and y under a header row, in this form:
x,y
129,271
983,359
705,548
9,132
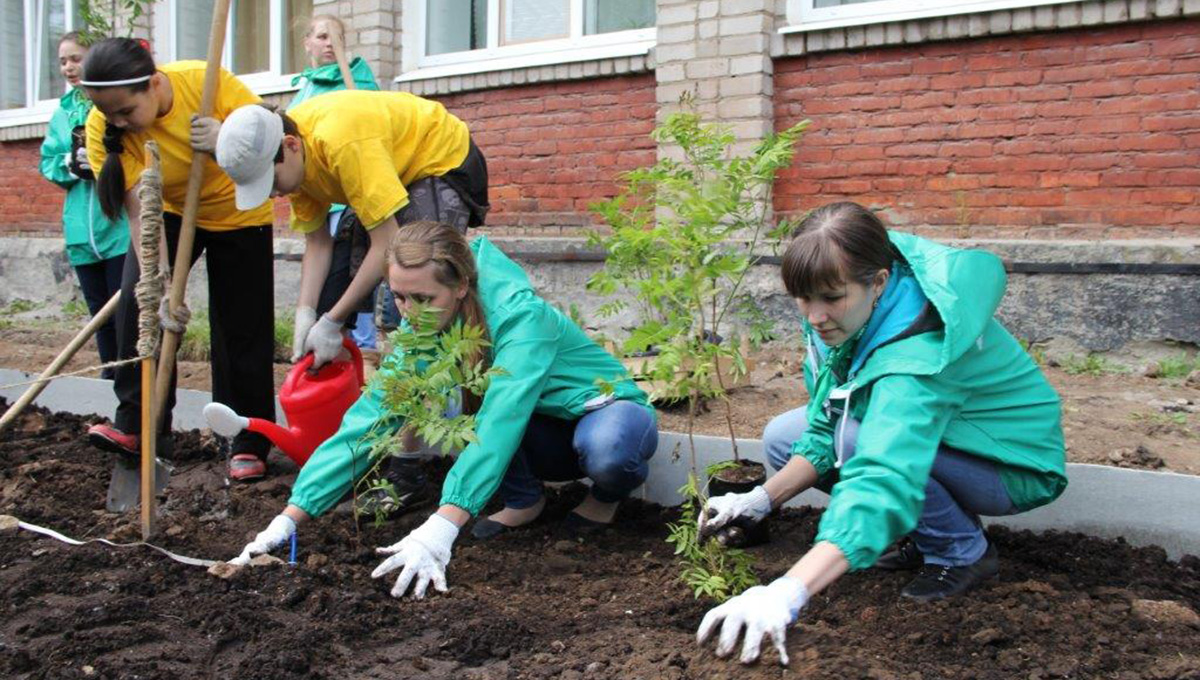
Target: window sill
x,y
576,64
1011,16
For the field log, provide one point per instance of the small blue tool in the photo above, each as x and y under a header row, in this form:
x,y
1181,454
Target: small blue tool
x,y
292,555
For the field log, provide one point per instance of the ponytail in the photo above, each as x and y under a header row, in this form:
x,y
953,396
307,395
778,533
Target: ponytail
x,y
124,62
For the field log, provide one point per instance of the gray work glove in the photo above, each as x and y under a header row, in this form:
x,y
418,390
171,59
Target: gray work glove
x,y
204,133
324,340
751,506
305,318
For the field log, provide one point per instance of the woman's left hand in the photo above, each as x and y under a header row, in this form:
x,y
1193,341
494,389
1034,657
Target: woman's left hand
x,y
204,133
762,611
424,554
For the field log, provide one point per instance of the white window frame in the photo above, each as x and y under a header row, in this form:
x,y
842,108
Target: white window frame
x,y
803,16
41,109
576,47
271,81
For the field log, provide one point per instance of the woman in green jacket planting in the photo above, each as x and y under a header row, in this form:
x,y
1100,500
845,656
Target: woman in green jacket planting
x,y
542,418
95,244
925,413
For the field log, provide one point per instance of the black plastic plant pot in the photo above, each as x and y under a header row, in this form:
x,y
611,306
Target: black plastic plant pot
x,y
741,478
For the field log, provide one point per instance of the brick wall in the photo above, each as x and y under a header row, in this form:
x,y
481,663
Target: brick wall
x,y
1086,133
553,149
28,203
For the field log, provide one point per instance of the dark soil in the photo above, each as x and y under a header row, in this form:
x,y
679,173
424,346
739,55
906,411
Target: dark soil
x,y
532,604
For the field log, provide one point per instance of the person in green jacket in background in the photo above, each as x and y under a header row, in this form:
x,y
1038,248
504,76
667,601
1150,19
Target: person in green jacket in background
x,y
925,413
95,244
543,418
350,239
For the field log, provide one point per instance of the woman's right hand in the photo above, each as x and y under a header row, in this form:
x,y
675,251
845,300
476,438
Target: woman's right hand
x,y
276,534
750,507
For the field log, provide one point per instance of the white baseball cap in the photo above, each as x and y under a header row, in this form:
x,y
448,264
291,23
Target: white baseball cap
x,y
246,148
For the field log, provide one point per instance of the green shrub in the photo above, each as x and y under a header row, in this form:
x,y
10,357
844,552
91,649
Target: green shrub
x,y
1092,364
1177,367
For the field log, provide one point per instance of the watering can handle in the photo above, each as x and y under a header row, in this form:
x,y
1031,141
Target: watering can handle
x,y
306,361
355,358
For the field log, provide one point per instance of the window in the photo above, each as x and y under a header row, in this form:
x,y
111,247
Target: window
x,y
29,72
809,15
263,63
473,35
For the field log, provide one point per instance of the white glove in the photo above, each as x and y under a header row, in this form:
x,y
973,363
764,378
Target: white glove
x,y
324,340
177,322
277,532
204,133
424,554
762,610
81,159
753,505
305,318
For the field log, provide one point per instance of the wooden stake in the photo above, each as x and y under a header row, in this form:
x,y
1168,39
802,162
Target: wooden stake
x,y
339,53
61,360
149,444
187,232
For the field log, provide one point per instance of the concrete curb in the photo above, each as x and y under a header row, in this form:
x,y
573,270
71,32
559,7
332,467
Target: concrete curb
x,y
1144,507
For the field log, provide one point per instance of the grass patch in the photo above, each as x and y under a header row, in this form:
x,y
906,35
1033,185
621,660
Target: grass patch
x,y
20,306
75,308
1177,368
196,344
1092,364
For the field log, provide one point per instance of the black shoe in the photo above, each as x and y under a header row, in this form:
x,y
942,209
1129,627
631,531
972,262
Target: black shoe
x,y
409,490
904,556
485,528
578,526
935,582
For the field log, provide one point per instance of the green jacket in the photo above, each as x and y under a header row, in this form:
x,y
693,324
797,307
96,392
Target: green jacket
x,y
321,80
931,366
550,367
90,236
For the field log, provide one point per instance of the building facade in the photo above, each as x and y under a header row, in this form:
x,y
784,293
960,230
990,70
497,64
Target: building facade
x,y
986,119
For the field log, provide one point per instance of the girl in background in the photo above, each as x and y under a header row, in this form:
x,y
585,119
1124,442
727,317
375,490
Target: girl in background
x,y
95,243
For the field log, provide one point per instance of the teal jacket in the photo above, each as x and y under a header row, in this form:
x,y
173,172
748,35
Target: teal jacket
x,y
550,367
90,236
931,366
320,80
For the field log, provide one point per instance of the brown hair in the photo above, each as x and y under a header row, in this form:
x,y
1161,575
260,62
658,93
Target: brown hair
x,y
73,36
419,243
834,244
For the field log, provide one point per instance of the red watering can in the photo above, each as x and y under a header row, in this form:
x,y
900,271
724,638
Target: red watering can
x,y
313,404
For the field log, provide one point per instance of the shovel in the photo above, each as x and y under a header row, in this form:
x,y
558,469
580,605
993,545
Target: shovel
x,y
124,489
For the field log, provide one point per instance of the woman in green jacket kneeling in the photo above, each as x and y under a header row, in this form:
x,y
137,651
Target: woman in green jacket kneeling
x,y
925,413
542,418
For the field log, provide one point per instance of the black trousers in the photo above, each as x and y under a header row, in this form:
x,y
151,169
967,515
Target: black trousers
x,y
241,317
99,281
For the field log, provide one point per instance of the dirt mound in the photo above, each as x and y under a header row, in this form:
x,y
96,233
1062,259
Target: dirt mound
x,y
532,604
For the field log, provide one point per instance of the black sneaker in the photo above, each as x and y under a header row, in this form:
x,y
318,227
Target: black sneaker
x,y
935,582
409,490
904,556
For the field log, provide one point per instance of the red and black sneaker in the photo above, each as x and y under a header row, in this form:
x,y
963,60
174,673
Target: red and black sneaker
x,y
109,438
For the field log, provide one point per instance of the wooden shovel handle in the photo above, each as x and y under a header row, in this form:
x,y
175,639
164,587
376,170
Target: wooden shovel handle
x,y
187,232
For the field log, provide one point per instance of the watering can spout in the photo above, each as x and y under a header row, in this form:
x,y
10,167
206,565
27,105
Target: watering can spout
x,y
288,440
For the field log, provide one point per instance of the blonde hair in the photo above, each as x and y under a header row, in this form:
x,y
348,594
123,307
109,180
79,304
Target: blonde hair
x,y
419,243
328,18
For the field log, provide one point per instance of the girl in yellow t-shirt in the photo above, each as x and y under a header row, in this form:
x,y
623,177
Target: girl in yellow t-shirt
x,y
136,101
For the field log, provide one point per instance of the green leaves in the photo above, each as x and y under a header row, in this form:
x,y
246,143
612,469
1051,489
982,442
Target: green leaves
x,y
710,569
425,378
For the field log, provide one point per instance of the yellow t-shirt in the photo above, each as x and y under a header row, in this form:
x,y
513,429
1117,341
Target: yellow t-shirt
x,y
362,148
172,132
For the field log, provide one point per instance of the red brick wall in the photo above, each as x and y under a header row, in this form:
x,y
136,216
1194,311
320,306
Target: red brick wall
x,y
1083,133
553,149
28,203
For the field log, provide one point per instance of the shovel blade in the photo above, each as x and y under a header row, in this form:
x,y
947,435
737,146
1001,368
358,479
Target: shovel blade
x,y
124,489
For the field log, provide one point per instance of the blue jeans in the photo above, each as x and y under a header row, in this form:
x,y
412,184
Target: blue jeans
x,y
961,487
609,445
